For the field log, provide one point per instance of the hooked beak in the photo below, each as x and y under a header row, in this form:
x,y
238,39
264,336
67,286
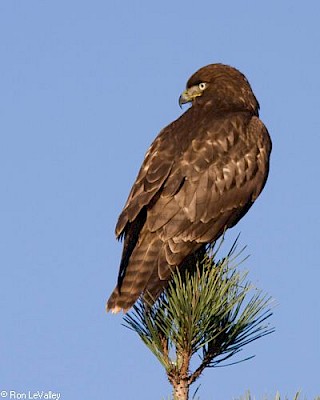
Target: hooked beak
x,y
189,95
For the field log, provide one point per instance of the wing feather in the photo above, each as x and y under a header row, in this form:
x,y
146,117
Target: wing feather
x,y
222,186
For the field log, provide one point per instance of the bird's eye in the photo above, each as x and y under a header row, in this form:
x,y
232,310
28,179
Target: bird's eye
x,y
202,85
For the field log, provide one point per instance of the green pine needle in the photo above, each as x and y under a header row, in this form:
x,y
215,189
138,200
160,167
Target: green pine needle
x,y
212,312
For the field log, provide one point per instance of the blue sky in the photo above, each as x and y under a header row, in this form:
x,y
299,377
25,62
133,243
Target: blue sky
x,y
85,87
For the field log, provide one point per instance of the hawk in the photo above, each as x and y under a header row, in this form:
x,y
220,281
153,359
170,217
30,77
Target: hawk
x,y
199,177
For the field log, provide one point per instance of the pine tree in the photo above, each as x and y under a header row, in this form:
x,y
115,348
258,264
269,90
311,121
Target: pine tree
x,y
212,311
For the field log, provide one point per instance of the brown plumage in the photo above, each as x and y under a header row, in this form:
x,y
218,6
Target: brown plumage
x,y
200,176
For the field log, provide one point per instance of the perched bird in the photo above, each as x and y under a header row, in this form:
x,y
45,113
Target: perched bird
x,y
199,177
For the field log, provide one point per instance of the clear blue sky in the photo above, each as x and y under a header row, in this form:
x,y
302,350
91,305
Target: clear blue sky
x,y
85,86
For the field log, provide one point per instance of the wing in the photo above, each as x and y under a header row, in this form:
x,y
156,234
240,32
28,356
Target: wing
x,y
222,173
153,173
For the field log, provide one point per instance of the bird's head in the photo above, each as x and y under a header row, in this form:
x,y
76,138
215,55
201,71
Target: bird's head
x,y
221,87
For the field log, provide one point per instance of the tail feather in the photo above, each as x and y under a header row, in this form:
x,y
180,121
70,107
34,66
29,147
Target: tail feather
x,y
137,274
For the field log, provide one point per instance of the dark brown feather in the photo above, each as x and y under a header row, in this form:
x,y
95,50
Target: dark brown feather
x,y
200,176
